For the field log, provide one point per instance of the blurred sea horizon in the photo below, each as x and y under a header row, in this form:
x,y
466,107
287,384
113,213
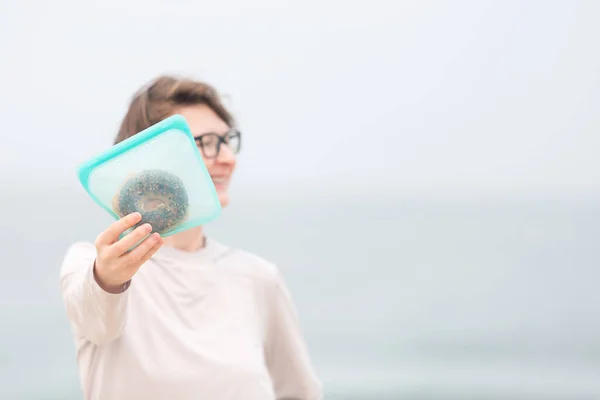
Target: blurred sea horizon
x,y
398,298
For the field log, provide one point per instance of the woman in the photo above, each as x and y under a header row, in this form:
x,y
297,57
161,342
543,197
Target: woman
x,y
183,317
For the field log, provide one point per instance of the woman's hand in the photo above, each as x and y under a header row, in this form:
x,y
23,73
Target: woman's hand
x,y
114,265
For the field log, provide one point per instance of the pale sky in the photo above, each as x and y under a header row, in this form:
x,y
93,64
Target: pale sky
x,y
415,96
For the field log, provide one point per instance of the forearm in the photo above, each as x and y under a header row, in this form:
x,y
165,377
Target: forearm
x,y
96,314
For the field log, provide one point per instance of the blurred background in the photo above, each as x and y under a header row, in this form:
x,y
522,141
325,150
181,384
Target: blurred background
x,y
424,173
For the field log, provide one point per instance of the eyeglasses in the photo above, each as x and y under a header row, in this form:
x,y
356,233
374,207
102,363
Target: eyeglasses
x,y
210,143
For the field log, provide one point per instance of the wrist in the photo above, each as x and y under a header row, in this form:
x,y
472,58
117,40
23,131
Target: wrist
x,y
112,288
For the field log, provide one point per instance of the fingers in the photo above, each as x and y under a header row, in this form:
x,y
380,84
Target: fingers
x,y
143,251
122,246
111,234
150,253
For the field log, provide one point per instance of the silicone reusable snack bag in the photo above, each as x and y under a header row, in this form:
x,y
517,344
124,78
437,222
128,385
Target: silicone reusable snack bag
x,y
167,157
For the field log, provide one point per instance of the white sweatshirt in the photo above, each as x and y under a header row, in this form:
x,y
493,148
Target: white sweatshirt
x,y
216,324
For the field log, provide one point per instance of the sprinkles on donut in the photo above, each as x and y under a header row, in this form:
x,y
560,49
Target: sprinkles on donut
x,y
159,196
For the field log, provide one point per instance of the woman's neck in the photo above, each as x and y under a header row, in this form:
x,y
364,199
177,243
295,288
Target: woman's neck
x,y
189,240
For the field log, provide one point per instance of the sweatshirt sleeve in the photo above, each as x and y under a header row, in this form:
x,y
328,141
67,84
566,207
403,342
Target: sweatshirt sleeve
x,y
96,315
286,352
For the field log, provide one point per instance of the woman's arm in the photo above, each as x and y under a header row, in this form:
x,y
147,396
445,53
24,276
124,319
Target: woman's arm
x,y
94,278
96,315
286,353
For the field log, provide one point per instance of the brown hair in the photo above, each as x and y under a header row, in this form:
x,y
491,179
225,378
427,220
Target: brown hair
x,y
158,99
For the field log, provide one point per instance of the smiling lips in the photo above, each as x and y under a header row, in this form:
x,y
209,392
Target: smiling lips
x,y
220,181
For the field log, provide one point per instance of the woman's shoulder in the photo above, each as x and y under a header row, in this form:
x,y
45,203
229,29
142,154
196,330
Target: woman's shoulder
x,y
80,248
78,255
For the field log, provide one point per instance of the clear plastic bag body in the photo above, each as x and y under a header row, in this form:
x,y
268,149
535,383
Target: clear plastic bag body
x,y
158,172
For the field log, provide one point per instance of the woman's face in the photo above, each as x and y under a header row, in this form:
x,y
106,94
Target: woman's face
x,y
205,124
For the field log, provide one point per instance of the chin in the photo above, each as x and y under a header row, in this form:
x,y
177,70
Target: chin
x,y
224,199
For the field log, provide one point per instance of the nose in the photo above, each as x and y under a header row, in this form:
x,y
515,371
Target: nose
x,y
226,156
